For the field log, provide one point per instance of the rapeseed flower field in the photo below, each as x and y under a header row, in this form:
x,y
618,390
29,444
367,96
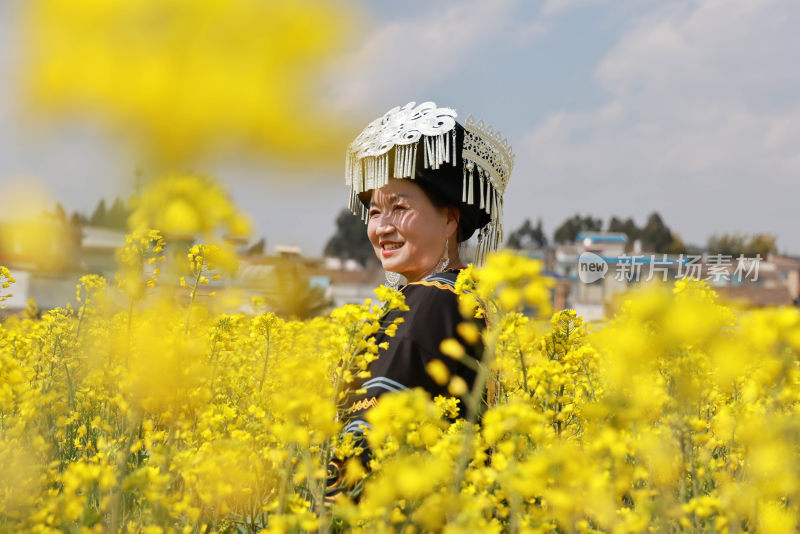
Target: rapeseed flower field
x,y
161,414
149,408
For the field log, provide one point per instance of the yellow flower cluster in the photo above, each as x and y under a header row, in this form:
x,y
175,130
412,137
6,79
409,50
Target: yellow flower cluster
x,y
142,249
186,205
6,279
678,414
508,282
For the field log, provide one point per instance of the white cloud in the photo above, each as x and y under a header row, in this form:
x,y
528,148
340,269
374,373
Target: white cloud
x,y
527,32
405,57
552,8
702,124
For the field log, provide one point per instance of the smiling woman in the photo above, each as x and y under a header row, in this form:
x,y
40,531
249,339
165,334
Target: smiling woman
x,y
424,183
410,233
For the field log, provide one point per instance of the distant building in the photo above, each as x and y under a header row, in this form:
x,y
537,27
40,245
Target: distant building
x,y
590,299
755,282
788,272
41,253
775,285
48,257
97,252
342,281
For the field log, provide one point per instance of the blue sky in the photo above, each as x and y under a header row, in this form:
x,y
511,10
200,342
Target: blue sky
x,y
688,107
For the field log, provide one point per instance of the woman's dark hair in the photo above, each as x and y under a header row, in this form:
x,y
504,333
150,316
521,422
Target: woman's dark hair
x,y
440,202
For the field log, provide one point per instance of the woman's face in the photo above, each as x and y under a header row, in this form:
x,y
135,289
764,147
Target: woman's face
x,y
407,231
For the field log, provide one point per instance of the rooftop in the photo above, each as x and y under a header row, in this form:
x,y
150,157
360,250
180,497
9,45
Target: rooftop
x,y
602,237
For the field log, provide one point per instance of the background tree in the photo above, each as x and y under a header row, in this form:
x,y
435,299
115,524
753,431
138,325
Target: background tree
x,y
737,244
678,246
350,240
569,229
117,216
656,236
728,244
627,227
257,248
527,237
78,219
60,214
761,244
99,214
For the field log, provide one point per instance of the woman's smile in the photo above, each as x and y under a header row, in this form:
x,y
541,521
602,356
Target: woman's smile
x,y
388,248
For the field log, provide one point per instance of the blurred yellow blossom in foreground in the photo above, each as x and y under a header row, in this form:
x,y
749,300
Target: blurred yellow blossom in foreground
x,y
187,205
180,78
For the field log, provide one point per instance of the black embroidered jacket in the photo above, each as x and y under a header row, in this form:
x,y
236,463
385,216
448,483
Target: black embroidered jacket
x,y
432,317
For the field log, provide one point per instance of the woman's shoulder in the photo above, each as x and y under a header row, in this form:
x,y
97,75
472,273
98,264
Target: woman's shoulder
x,y
433,295
444,281
433,312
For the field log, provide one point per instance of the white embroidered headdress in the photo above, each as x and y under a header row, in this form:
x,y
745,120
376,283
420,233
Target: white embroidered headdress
x,y
388,148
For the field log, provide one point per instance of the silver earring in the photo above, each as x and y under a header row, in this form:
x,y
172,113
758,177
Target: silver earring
x,y
393,279
445,261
